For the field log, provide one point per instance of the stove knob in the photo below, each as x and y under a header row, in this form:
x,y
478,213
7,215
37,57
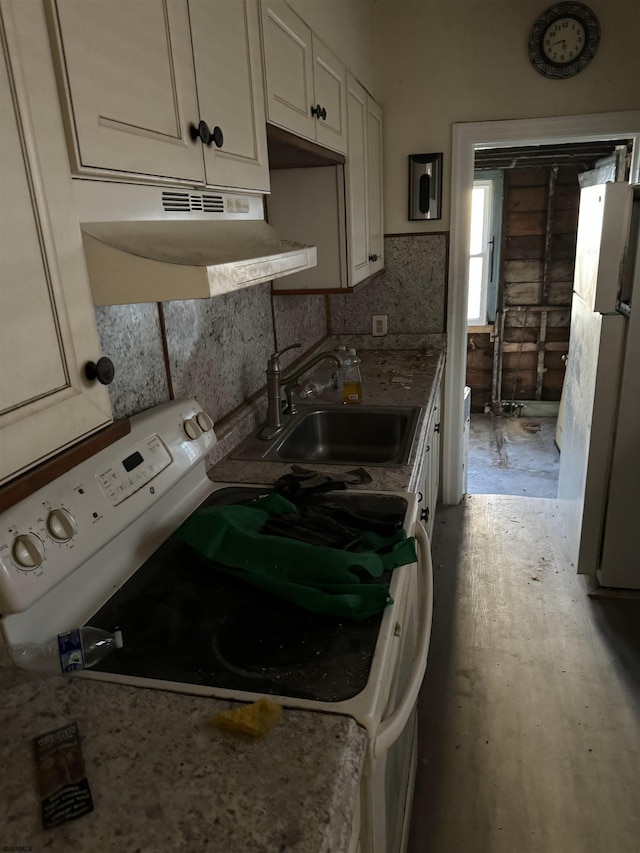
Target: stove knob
x,y
27,551
61,525
204,421
192,429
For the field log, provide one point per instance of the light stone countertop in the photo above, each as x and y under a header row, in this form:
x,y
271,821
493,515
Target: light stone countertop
x,y
160,776
163,779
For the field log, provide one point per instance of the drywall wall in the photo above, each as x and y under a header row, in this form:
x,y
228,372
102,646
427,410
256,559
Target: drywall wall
x,y
440,62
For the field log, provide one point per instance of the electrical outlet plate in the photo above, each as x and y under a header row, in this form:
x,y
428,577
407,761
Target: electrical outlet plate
x,y
378,325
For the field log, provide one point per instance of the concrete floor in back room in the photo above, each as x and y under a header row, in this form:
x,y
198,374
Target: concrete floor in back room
x,y
529,715
513,456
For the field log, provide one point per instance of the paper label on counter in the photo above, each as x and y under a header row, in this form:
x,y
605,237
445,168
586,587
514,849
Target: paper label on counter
x,y
64,788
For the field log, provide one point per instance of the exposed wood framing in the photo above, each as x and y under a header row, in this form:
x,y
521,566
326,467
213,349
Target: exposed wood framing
x,y
548,237
534,346
523,359
542,348
498,351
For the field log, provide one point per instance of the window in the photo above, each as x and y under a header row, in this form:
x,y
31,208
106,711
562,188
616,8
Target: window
x,y
484,242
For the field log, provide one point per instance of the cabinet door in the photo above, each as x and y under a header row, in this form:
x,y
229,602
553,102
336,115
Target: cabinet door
x,y
131,95
330,93
435,462
288,61
228,63
357,203
47,323
374,186
430,479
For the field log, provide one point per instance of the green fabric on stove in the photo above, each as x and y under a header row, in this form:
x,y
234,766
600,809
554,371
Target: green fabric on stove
x,y
320,579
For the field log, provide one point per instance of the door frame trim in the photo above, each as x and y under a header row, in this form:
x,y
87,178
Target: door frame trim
x,y
467,137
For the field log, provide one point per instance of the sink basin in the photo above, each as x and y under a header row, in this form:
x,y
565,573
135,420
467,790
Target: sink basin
x,y
340,435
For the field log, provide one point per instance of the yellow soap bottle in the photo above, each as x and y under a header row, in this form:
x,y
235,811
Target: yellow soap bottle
x,y
352,383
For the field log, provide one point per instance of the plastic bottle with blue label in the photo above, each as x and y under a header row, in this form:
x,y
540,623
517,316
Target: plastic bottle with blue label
x,y
81,648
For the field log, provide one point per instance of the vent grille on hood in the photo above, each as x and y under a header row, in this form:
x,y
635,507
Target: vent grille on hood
x,y
182,202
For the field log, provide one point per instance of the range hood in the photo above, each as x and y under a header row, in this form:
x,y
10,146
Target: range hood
x,y
153,244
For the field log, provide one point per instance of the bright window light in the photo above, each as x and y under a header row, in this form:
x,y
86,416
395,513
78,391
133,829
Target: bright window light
x,y
479,253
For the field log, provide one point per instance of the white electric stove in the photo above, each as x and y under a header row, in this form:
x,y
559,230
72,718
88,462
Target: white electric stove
x,y
96,547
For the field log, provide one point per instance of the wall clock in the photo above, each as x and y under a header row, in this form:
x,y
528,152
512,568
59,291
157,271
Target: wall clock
x,y
564,40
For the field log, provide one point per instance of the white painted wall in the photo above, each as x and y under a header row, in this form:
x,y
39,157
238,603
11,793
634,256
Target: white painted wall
x,y
445,61
346,26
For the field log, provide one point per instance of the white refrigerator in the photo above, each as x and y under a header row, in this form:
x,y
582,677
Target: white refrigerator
x,y
600,458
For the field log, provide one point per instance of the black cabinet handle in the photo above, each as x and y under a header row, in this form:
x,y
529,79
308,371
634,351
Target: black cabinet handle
x,y
217,136
424,514
373,258
205,135
427,448
200,132
436,428
319,112
102,370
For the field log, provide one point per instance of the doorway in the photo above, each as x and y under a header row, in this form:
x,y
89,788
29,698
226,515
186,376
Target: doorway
x,y
468,140
524,218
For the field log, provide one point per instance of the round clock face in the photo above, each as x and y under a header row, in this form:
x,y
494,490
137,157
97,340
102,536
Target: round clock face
x,y
564,40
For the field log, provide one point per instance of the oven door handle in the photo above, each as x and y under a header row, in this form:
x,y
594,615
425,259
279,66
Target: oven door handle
x,y
391,728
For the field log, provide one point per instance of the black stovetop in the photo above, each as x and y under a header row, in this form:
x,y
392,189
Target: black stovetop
x,y
185,622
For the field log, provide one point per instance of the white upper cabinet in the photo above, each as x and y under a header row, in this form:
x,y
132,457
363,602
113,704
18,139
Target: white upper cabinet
x,y
357,200
47,323
288,61
330,85
228,63
345,220
131,86
374,186
141,77
364,184
305,82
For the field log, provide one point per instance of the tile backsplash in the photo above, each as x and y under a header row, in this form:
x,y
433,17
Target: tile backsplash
x,y
130,336
217,349
411,292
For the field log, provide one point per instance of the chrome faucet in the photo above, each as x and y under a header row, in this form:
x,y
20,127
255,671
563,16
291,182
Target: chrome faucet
x,y
276,382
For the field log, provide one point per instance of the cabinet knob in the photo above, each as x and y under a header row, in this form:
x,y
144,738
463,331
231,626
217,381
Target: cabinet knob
x,y
102,370
217,136
207,136
436,428
319,112
373,258
201,132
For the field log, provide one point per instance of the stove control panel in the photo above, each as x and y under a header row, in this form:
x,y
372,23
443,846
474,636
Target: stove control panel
x,y
144,462
49,534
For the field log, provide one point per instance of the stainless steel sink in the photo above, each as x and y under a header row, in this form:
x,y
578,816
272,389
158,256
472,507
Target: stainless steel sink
x,y
340,435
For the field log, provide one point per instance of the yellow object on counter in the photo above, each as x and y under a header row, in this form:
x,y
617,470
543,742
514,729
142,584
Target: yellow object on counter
x,y
255,720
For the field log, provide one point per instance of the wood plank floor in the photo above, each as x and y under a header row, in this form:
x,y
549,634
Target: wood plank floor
x,y
530,710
